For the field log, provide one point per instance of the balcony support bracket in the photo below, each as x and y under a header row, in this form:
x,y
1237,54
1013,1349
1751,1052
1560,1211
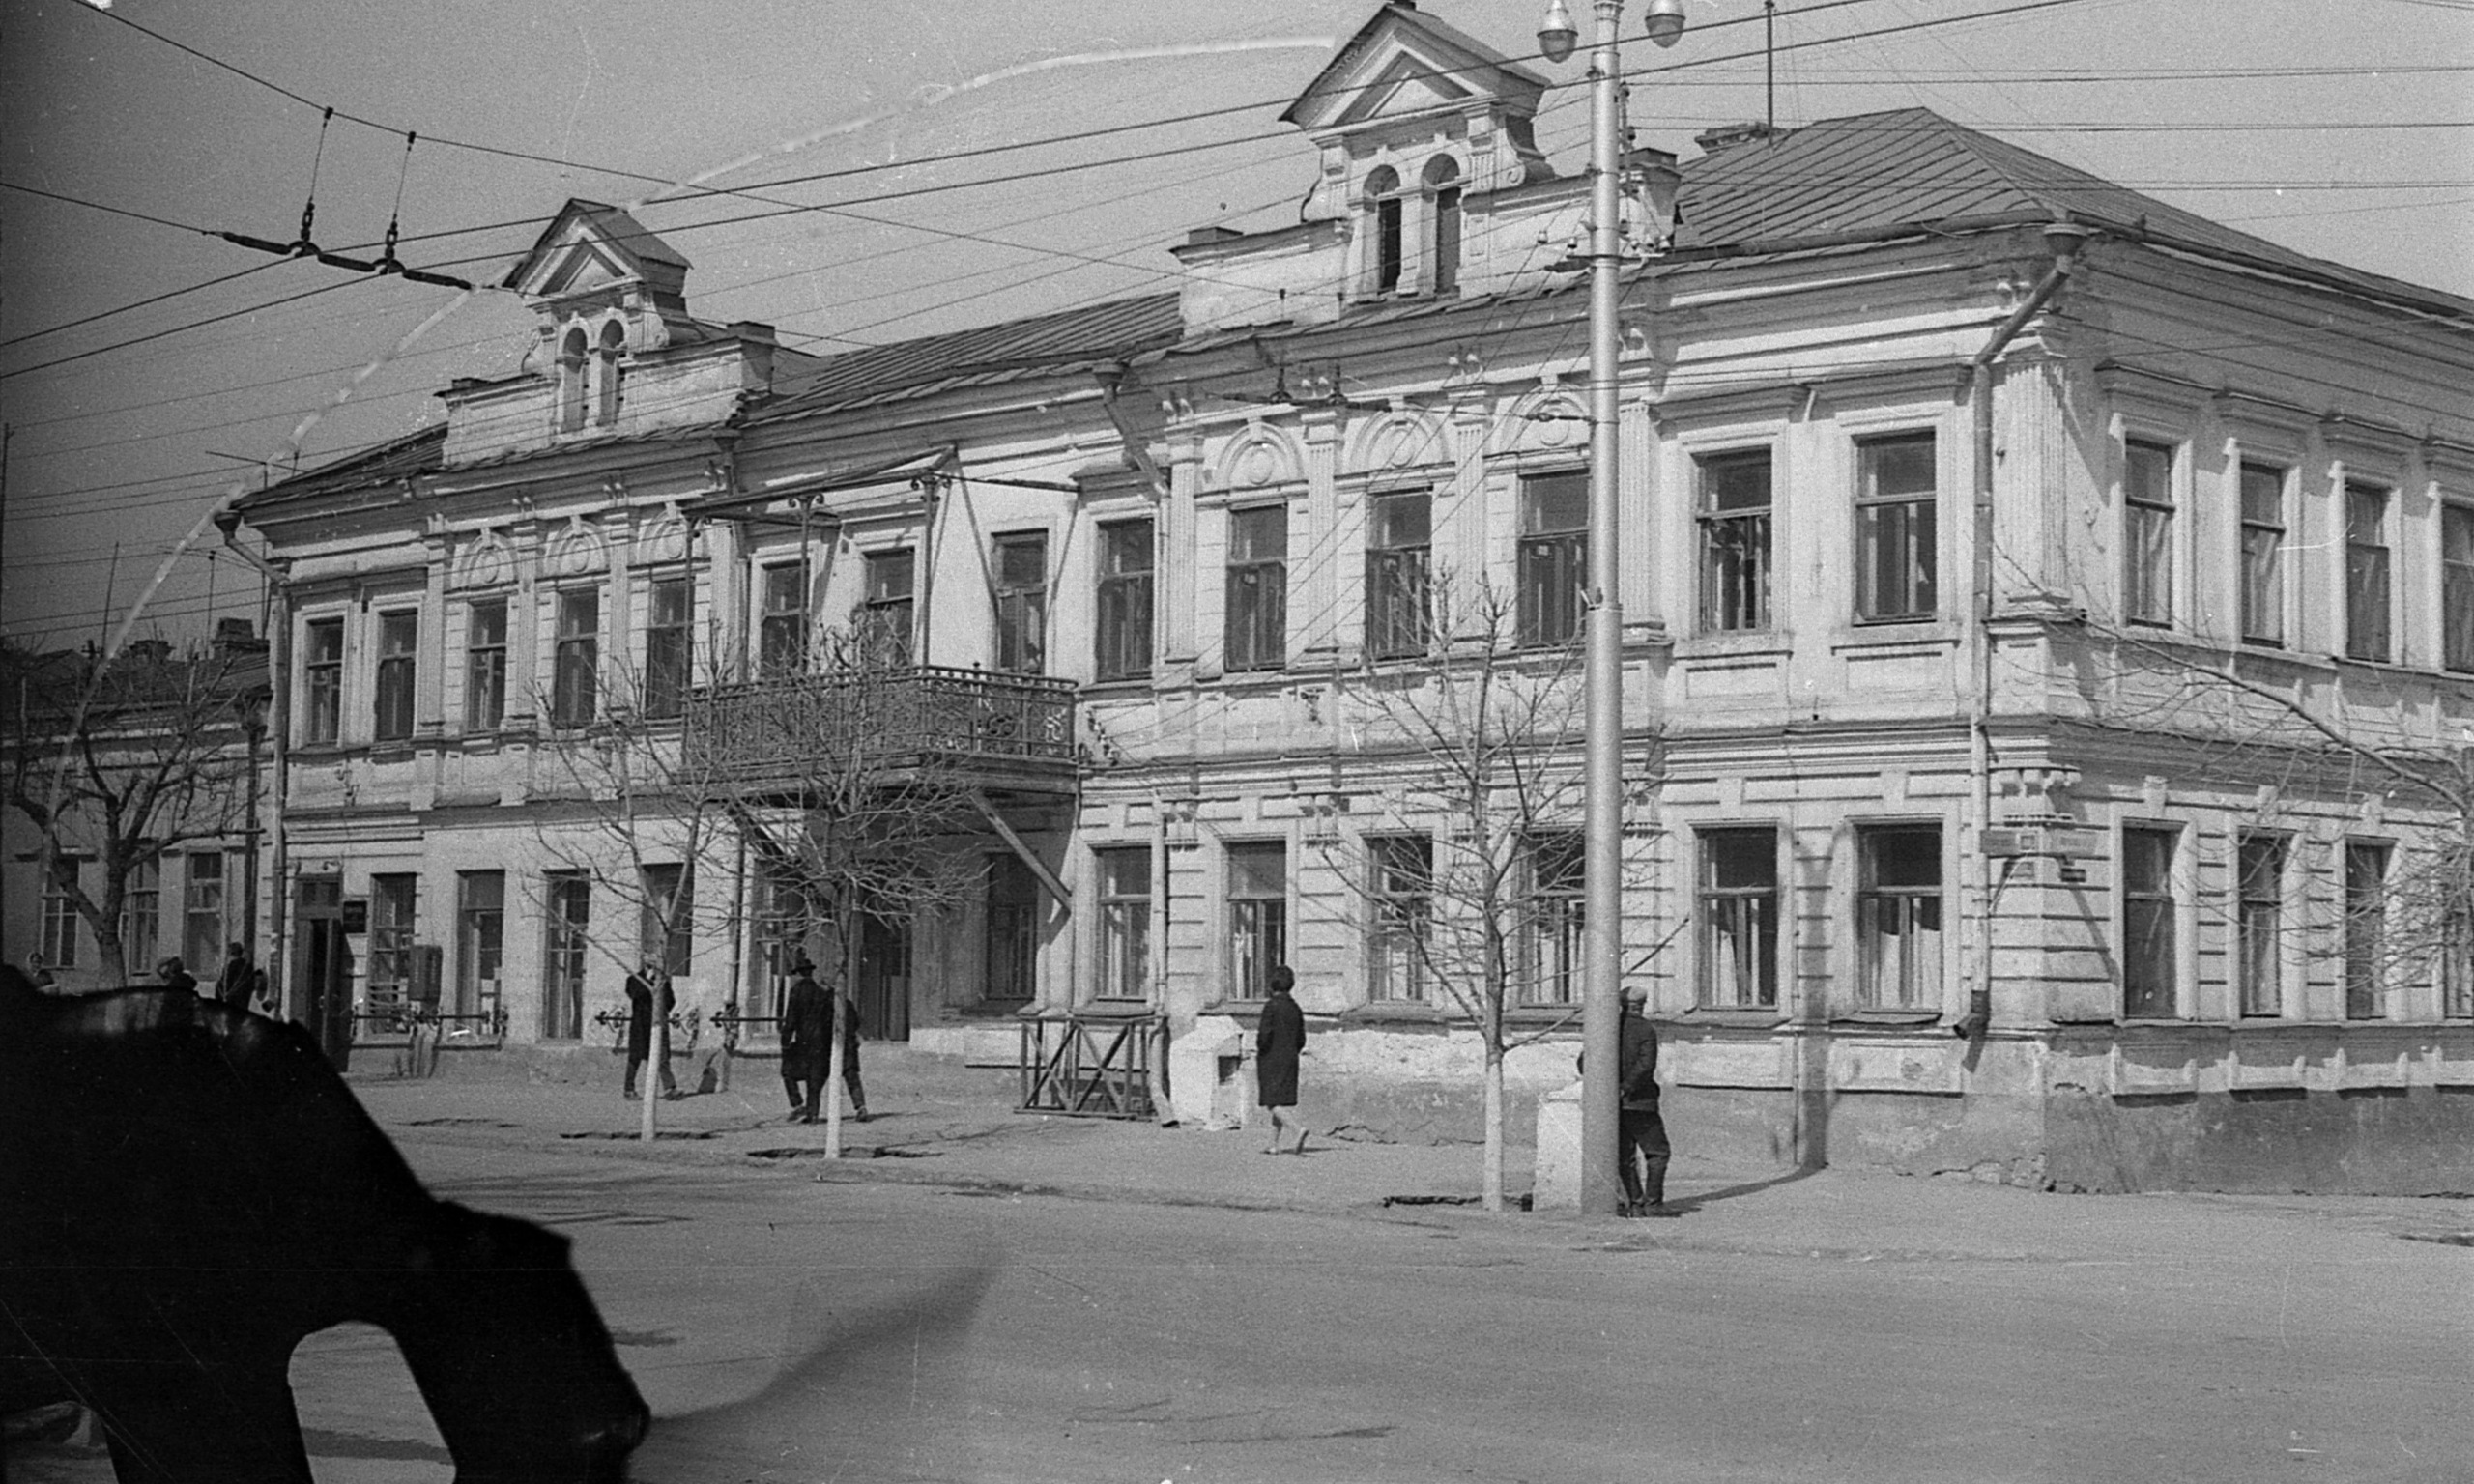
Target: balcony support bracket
x,y
1046,877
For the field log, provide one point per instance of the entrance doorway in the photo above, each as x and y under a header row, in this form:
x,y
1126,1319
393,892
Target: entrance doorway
x,y
883,988
322,979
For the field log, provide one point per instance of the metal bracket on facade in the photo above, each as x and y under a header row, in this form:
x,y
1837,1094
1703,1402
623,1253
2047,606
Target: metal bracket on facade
x,y
1013,843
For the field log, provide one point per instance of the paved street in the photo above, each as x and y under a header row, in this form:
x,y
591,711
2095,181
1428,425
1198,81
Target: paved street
x,y
925,1318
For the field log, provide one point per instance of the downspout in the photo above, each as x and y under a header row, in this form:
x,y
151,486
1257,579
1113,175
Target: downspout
x,y
2064,239
279,632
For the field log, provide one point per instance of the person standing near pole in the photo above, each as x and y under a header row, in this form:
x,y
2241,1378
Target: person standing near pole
x,y
807,1044
1639,1126
1279,1038
647,1000
238,979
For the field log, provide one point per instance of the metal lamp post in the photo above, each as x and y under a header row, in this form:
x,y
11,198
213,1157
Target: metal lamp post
x,y
1602,940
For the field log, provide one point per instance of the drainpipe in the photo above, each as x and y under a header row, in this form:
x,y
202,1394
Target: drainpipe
x,y
278,630
2064,239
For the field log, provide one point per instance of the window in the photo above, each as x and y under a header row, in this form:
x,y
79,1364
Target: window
x,y
398,648
2365,572
1013,928
2456,962
1258,918
1383,256
888,609
480,939
1553,557
1125,600
605,374
2263,554
1403,900
1895,541
575,679
1397,550
2148,533
391,903
60,915
1022,603
1740,918
203,930
2148,925
668,647
782,628
572,361
1257,620
2366,927
1554,869
2259,926
666,933
1735,541
567,913
781,929
1898,918
2456,583
485,665
1442,189
1125,922
141,922
322,669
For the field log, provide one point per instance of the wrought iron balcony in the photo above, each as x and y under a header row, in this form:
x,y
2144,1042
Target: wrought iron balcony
x,y
994,730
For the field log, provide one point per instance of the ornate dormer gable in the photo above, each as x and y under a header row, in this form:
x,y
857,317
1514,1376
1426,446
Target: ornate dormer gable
x,y
1406,91
596,259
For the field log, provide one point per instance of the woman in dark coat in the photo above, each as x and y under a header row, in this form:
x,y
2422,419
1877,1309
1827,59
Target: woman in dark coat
x,y
807,1041
648,997
1279,1039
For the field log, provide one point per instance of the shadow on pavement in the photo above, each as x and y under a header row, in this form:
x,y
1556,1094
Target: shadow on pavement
x,y
1748,1188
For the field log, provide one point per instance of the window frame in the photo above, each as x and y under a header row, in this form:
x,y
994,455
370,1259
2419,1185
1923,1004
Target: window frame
x,y
1441,183
1553,920
60,919
889,607
394,691
480,942
1254,920
322,680
2457,587
1387,239
2259,563
1121,928
391,980
1401,897
485,666
1732,570
1123,620
2260,861
2364,929
1717,932
141,915
1916,913
2150,906
1917,534
2149,526
1012,930
675,944
1255,617
781,618
1551,560
566,942
670,646
2370,573
1022,607
206,921
575,657
1399,576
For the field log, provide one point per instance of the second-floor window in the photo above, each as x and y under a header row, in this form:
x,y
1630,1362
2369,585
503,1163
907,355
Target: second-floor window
x,y
485,665
1022,602
2148,533
321,673
1257,620
2367,578
2456,585
1554,557
398,656
1125,601
668,647
1735,541
782,628
1442,177
890,609
575,666
1386,249
1398,548
1895,529
2263,554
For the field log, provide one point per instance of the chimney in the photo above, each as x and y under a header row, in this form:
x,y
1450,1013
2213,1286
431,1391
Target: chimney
x,y
150,652
1726,136
235,637
1655,178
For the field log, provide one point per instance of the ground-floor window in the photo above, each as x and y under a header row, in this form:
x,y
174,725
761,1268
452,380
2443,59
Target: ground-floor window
x,y
781,934
666,934
1258,918
2147,923
566,922
1013,928
1402,888
1125,922
2366,927
2259,926
1898,918
203,932
1553,901
393,902
480,940
1739,917
140,919
60,916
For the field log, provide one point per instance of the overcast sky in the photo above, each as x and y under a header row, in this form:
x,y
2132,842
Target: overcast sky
x,y
2311,125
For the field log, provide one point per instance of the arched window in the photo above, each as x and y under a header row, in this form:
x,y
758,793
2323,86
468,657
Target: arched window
x,y
571,369
1442,189
614,340
1385,247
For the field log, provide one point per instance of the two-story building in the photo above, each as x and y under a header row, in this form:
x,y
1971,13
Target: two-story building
x,y
2048,618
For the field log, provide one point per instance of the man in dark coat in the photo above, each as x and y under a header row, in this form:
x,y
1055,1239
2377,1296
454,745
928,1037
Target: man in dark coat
x,y
1280,1037
175,975
807,1041
648,996
1639,1128
234,986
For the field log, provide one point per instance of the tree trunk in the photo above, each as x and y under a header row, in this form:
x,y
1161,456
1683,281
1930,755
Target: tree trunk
x,y
1491,1190
648,1081
833,1080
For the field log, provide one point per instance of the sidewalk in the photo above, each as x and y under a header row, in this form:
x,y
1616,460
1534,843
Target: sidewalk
x,y
939,1122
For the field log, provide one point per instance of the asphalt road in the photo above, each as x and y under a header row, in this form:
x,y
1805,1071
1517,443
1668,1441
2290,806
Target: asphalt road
x,y
786,1328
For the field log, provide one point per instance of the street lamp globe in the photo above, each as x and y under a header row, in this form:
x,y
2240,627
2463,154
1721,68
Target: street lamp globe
x,y
1665,21
1556,36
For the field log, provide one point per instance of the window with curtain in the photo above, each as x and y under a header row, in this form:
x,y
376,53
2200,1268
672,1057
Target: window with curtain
x,y
1256,634
322,674
782,625
889,611
1124,922
1735,541
2263,554
1739,909
1257,905
1020,562
1125,600
2366,573
2148,959
2147,532
485,665
1898,918
398,661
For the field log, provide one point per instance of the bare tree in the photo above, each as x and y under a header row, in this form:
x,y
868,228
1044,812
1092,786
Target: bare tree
x,y
1481,898
128,760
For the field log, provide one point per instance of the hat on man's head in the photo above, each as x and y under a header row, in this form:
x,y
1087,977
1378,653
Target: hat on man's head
x,y
1636,994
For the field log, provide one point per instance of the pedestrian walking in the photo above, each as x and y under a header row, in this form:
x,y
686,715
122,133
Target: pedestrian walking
x,y
1279,1038
807,1041
238,979
175,975
845,1020
1642,1149
648,997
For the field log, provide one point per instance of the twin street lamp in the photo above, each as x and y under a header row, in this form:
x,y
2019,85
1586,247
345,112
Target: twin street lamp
x,y
1602,938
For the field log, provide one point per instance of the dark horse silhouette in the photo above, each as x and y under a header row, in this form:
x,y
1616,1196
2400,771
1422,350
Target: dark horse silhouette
x,y
188,1190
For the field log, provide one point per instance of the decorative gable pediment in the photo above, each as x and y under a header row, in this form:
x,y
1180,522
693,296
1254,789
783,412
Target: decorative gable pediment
x,y
1409,87
592,249
1404,63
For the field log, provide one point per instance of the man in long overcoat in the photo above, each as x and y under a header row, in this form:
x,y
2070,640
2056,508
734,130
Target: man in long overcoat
x,y
807,1041
1639,1127
1280,1037
648,996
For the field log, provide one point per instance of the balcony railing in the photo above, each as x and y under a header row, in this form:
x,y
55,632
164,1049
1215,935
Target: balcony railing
x,y
911,720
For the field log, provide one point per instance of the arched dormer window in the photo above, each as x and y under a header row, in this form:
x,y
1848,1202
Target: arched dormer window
x,y
614,340
1443,212
1385,247
571,374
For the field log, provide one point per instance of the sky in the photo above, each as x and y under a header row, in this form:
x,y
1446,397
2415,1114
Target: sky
x,y
857,173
